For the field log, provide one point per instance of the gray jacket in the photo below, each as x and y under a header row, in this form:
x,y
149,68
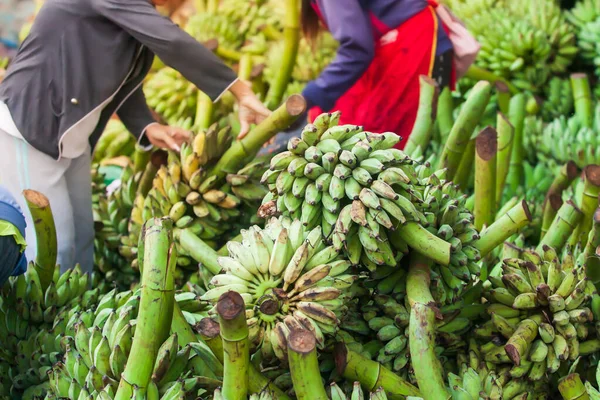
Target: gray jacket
x,y
80,51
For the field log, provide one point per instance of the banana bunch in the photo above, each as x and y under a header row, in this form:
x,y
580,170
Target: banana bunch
x,y
288,277
207,26
115,141
566,139
112,212
539,308
533,131
469,386
172,97
254,18
335,393
585,18
524,43
180,191
98,186
584,11
558,99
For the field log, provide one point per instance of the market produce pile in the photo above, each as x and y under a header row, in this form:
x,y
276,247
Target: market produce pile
x,y
464,266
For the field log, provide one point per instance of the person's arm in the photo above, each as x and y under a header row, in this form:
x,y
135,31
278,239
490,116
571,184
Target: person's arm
x,y
136,116
172,45
351,27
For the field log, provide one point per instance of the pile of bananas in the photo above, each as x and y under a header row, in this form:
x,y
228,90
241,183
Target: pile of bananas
x,y
567,139
181,192
253,18
540,313
585,18
335,393
558,99
288,277
524,43
115,141
207,26
172,97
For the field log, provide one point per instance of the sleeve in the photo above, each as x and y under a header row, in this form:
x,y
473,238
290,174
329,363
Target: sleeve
x,y
136,116
351,27
175,47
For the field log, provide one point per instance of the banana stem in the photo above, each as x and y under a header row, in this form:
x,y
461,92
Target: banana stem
x,y
505,146
371,375
247,147
503,94
565,222
291,42
425,242
156,306
503,228
199,251
462,130
445,119
465,169
212,6
45,235
185,336
588,202
210,332
245,67
572,388
140,158
228,54
516,116
204,111
420,135
426,365
582,95
486,151
157,159
553,204
234,332
591,260
304,366
479,74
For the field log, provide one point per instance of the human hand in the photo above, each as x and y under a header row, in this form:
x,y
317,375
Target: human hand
x,y
251,110
167,137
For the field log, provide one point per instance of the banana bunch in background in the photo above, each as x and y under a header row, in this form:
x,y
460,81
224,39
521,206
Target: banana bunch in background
x,y
335,393
533,130
115,141
172,97
558,99
207,26
540,313
96,347
524,43
565,139
288,277
585,17
253,18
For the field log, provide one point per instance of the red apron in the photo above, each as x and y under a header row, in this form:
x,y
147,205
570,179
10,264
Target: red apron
x,y
386,97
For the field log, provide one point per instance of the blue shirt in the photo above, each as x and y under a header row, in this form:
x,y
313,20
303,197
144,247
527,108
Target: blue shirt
x,y
11,213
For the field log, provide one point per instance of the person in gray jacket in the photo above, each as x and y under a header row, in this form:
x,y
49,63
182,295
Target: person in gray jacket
x,y
83,61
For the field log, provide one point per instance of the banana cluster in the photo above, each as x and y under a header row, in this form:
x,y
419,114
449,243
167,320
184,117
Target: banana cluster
x,y
558,99
585,17
254,18
335,393
288,277
524,43
206,26
470,386
539,308
172,97
566,139
115,141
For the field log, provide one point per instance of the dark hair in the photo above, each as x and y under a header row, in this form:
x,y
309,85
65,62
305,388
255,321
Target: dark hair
x,y
310,21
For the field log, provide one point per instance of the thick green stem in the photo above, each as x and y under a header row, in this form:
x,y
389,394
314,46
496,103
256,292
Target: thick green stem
x,y
371,375
588,204
304,365
140,158
210,332
503,95
425,242
505,145
516,116
157,159
486,151
591,259
45,235
518,345
156,307
582,95
212,6
465,169
245,67
421,132
291,41
479,74
241,149
565,222
462,130
553,204
445,118
503,228
572,388
199,251
204,111
425,363
236,347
